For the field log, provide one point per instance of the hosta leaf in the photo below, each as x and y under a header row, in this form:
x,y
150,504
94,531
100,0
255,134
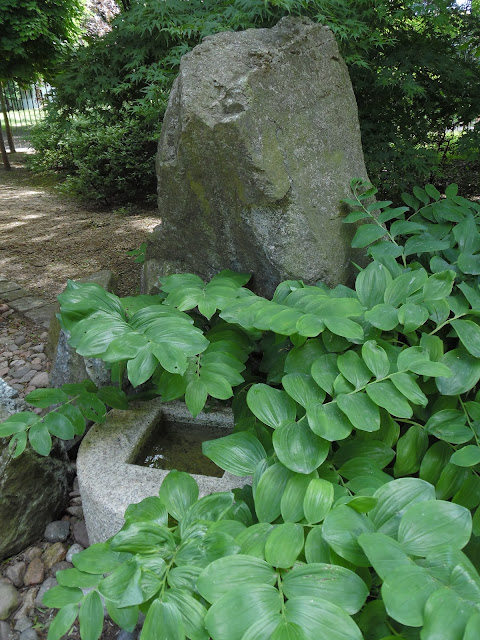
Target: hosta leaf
x,y
163,622
469,335
238,453
439,285
291,505
321,619
252,540
151,509
196,395
449,425
371,284
271,406
328,582
91,617
178,492
302,388
428,526
251,604
468,456
341,529
58,597
298,448
191,611
316,548
384,394
383,316
351,366
446,614
405,592
62,622
412,316
318,500
328,422
411,448
360,410
407,386
269,491
284,544
384,553
324,371
393,500
376,359
404,286
344,327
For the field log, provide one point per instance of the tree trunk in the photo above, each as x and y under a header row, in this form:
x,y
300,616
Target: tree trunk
x,y
11,144
6,161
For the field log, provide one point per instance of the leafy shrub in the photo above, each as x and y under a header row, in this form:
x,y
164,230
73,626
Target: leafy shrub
x,y
356,414
413,69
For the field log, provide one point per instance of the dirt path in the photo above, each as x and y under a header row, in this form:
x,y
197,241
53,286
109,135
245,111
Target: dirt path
x,y
46,239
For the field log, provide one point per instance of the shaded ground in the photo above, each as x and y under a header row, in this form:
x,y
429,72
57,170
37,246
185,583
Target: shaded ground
x,y
46,238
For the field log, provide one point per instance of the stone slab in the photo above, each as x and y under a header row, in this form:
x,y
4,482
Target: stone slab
x,y
109,482
26,304
8,296
6,285
43,315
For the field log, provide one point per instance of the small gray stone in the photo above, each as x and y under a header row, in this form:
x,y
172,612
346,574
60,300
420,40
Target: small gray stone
x,y
49,583
9,600
4,630
76,511
35,573
74,549
29,634
28,376
80,534
39,348
60,566
57,531
15,573
33,552
127,635
40,380
23,623
19,340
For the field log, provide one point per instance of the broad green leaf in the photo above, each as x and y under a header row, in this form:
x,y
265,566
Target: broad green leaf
x,y
468,263
271,406
125,347
59,425
123,586
411,448
63,621
191,611
432,191
310,325
288,631
424,243
91,617
427,526
301,359
216,579
351,366
321,619
284,544
143,537
251,604
469,335
327,582
361,466
216,383
366,234
163,622
76,578
113,397
446,614
375,450
434,461
449,425
318,500
124,617
383,316
328,422
384,394
149,509
184,577
439,285
45,397
17,423
291,505
75,416
393,500
91,407
360,410
99,558
302,388
40,439
371,284
472,629
376,359
344,327
298,448
269,491
469,493
416,359
412,316
316,548
211,507
196,395
238,453
467,456
58,597
433,345
341,529
252,540
178,492
385,553
404,286
405,592
405,383
450,481
324,371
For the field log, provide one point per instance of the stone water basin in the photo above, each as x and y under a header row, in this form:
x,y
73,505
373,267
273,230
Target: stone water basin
x,y
110,477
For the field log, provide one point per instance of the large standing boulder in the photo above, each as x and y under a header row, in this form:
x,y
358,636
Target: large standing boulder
x,y
259,144
33,488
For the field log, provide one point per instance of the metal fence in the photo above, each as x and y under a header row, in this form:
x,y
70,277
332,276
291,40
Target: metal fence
x,y
24,106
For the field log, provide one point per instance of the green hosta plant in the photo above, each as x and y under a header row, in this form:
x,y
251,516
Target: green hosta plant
x,y
357,425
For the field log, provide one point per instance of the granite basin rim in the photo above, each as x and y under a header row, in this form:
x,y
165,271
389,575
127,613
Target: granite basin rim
x,y
108,482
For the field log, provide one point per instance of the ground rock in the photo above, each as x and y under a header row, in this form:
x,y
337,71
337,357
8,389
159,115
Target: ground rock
x,y
80,534
259,144
74,549
35,573
4,630
33,488
29,634
16,572
9,600
49,583
52,555
57,531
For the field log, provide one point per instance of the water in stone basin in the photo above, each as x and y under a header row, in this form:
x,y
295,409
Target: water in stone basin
x,y
178,445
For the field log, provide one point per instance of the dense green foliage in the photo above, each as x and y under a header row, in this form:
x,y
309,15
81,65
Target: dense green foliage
x,y
35,35
413,67
357,416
